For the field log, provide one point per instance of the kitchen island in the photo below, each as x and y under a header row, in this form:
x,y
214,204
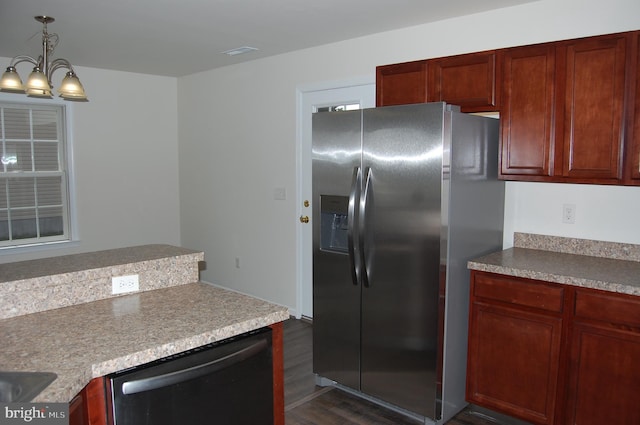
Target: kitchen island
x,y
88,340
563,316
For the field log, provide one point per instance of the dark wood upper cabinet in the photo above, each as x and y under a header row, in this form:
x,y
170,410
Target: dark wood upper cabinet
x,y
469,81
594,99
633,154
401,83
526,116
569,110
562,115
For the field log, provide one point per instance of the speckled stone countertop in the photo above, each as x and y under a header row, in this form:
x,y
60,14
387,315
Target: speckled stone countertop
x,y
63,265
601,265
93,339
36,285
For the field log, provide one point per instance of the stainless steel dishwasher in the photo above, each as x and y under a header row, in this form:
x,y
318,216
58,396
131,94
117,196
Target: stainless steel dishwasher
x,y
228,382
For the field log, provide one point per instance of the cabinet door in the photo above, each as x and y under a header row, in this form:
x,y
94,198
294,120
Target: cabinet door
x,y
513,362
88,407
604,377
526,116
77,410
95,402
593,107
401,83
633,156
604,374
468,81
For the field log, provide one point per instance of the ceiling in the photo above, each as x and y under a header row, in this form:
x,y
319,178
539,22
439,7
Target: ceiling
x,y
181,37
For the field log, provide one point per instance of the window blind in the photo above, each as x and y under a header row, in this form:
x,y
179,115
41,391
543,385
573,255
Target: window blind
x,y
33,175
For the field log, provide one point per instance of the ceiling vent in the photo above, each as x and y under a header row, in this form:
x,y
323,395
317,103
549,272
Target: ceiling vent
x,y
239,51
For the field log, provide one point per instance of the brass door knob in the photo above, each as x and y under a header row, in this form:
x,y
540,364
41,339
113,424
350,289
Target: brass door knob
x,y
304,219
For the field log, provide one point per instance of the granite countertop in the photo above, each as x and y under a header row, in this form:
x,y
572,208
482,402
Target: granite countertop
x,y
33,286
608,266
88,262
92,339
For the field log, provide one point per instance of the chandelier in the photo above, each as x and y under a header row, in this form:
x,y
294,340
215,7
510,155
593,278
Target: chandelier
x,y
39,81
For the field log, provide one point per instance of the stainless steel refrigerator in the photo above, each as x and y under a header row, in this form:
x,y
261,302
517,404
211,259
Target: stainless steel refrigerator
x,y
403,197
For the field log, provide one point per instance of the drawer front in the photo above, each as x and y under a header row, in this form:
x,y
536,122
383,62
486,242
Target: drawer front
x,y
608,307
518,291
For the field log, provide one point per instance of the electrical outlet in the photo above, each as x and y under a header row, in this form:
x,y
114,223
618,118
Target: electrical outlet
x,y
124,284
237,262
569,213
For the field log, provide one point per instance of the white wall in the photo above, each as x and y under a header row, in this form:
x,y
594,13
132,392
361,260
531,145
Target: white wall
x,y
125,154
607,213
238,137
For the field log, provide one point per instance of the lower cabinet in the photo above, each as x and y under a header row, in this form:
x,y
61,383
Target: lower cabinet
x,y
604,379
604,374
514,347
89,407
551,353
515,362
77,412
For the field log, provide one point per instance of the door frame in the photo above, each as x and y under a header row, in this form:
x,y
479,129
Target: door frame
x,y
307,99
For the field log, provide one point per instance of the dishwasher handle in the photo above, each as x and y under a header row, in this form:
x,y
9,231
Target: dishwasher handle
x,y
164,380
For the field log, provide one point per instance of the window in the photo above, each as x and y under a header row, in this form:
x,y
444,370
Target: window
x,y
334,108
34,200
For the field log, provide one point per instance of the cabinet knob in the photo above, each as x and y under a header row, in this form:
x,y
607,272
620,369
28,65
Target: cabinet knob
x,y
304,219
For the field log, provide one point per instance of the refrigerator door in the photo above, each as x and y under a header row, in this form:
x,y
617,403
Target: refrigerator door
x,y
336,154
401,231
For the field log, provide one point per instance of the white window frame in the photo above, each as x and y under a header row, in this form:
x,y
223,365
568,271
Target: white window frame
x,y
72,235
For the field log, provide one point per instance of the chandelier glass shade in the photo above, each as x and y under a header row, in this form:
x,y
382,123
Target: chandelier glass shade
x,y
39,81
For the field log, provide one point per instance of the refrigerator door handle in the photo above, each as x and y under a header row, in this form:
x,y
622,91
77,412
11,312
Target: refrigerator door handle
x,y
352,230
362,227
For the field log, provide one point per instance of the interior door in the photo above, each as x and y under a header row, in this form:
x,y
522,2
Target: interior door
x,y
310,100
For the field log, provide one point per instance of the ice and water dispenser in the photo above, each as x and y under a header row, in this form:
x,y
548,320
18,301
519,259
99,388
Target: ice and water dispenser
x,y
334,223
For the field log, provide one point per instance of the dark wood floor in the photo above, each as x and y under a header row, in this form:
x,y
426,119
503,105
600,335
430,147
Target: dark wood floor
x,y
307,404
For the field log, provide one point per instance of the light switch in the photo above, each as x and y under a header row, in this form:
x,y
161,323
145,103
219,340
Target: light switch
x,y
280,193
